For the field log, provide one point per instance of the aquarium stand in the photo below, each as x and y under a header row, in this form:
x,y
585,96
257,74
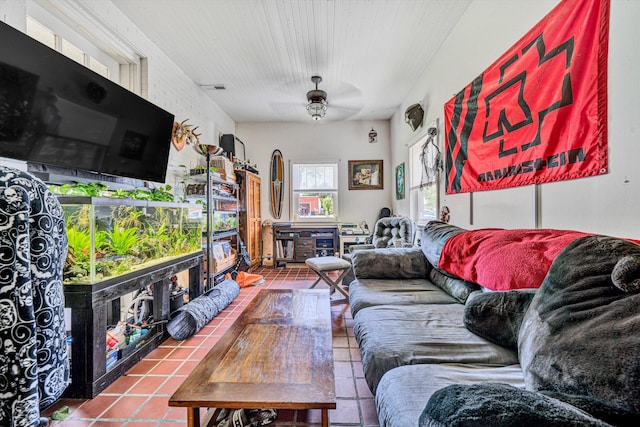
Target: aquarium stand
x,y
92,307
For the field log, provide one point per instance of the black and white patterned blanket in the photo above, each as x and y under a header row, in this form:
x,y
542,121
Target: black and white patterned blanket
x,y
34,366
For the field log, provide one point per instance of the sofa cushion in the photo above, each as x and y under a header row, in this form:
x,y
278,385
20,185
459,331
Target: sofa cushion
x,y
369,292
500,405
457,288
404,391
497,316
395,335
390,263
579,339
434,236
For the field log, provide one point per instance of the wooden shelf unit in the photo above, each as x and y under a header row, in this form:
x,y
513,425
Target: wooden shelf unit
x,y
296,243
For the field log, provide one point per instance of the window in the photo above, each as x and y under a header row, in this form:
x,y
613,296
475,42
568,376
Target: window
x,y
48,37
425,160
314,191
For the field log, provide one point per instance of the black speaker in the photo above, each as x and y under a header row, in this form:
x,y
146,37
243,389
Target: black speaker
x,y
228,143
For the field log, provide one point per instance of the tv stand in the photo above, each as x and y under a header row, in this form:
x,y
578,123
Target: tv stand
x,y
296,243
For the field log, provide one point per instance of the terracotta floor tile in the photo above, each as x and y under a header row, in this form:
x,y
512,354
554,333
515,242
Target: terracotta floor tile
x,y
125,407
340,342
194,341
187,367
363,389
176,414
94,407
355,354
155,408
143,367
148,384
342,369
346,411
182,353
171,385
345,388
369,414
159,353
342,354
166,367
122,384
358,370
199,353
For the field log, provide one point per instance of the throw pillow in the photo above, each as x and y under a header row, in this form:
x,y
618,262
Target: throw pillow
x,y
499,405
457,288
579,338
497,316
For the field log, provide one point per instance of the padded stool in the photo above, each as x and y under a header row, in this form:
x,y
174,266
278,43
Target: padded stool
x,y
323,265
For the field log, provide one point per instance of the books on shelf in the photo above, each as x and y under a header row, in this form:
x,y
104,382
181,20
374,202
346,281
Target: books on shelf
x,y
284,249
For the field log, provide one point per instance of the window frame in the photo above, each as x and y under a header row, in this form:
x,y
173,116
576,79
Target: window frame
x,y
295,192
416,187
101,42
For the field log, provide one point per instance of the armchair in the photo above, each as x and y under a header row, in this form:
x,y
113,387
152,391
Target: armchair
x,y
389,232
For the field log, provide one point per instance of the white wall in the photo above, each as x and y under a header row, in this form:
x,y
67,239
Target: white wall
x,y
608,204
318,141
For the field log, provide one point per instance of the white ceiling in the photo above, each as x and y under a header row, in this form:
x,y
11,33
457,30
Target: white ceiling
x,y
368,52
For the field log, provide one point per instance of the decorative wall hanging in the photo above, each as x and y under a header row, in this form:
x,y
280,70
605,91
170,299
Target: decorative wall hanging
x,y
277,183
539,113
413,116
365,175
184,134
430,158
373,136
400,181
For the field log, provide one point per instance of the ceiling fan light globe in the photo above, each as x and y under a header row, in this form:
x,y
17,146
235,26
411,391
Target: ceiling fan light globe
x,y
317,109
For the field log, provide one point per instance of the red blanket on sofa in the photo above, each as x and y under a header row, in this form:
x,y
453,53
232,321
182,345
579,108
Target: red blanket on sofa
x,y
500,259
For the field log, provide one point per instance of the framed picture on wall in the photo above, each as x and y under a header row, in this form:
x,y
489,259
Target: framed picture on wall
x,y
365,175
400,181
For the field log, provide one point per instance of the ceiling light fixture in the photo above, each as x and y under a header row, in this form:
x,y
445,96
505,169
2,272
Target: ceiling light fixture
x,y
317,98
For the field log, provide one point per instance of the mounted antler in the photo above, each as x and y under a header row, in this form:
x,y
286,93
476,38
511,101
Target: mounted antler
x,y
184,134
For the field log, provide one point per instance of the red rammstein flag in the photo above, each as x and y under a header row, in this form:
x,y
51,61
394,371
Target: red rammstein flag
x,y
538,113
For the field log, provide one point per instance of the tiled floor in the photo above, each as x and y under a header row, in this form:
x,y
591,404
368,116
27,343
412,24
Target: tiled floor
x,y
139,398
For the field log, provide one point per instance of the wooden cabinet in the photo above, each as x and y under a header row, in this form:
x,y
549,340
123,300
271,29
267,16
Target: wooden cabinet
x,y
297,243
250,225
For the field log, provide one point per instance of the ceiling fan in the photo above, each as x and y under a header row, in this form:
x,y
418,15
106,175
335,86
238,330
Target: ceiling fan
x,y
317,106
340,101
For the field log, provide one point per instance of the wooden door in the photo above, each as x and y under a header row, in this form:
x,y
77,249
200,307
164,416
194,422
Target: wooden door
x,y
250,217
254,220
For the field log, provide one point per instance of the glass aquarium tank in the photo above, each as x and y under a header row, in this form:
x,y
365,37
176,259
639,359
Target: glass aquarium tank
x,y
223,221
109,237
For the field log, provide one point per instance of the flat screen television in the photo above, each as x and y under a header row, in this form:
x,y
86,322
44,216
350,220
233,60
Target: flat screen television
x,y
54,111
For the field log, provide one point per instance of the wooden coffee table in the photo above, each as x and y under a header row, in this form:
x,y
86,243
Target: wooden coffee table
x,y
277,354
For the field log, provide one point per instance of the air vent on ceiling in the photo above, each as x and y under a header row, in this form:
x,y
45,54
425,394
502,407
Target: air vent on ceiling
x,y
218,86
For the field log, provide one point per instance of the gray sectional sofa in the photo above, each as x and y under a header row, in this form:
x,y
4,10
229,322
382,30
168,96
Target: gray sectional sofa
x,y
438,350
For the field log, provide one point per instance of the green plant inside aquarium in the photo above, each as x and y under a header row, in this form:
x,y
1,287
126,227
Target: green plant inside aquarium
x,y
124,238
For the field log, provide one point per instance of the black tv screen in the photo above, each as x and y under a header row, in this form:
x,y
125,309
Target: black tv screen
x,y
54,111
